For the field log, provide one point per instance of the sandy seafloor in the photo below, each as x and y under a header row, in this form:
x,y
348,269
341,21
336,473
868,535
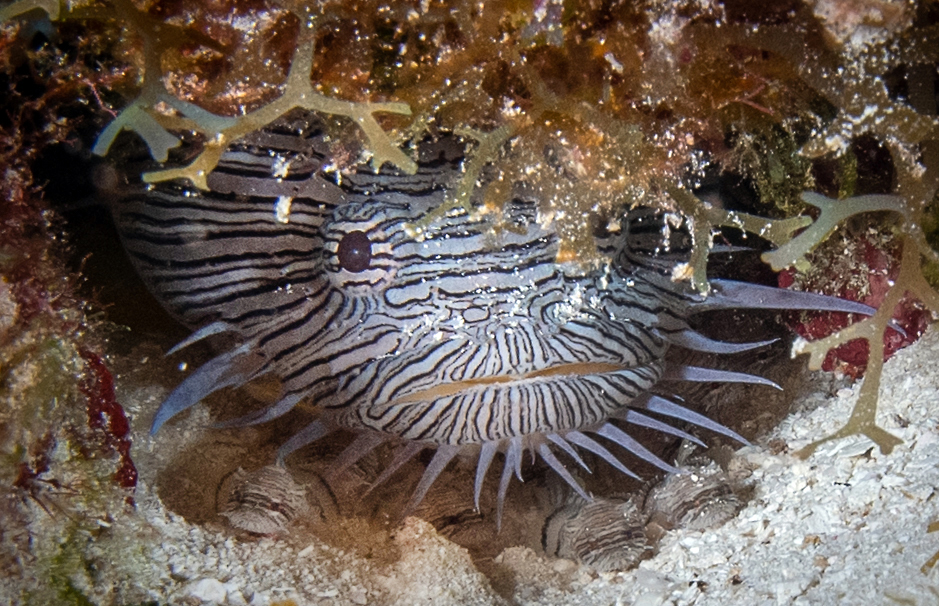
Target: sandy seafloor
x,y
846,526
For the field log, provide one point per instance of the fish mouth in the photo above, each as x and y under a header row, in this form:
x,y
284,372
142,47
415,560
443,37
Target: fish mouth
x,y
566,370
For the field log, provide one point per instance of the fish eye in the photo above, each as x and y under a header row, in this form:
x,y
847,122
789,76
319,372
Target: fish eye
x,y
355,252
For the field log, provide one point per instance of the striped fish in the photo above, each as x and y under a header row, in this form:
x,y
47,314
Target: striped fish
x,y
463,336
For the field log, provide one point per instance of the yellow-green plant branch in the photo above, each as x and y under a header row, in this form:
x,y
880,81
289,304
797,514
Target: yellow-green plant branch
x,y
704,217
584,113
489,145
864,103
701,227
833,212
53,8
864,416
136,118
138,115
298,92
141,117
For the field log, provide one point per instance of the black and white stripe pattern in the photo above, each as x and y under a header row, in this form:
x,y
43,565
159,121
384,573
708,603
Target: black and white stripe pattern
x,y
465,335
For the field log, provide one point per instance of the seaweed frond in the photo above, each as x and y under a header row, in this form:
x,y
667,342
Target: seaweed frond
x,y
705,218
863,418
51,7
833,213
298,93
142,114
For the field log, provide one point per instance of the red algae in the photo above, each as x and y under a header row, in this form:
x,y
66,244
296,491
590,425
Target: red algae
x,y
865,271
106,417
